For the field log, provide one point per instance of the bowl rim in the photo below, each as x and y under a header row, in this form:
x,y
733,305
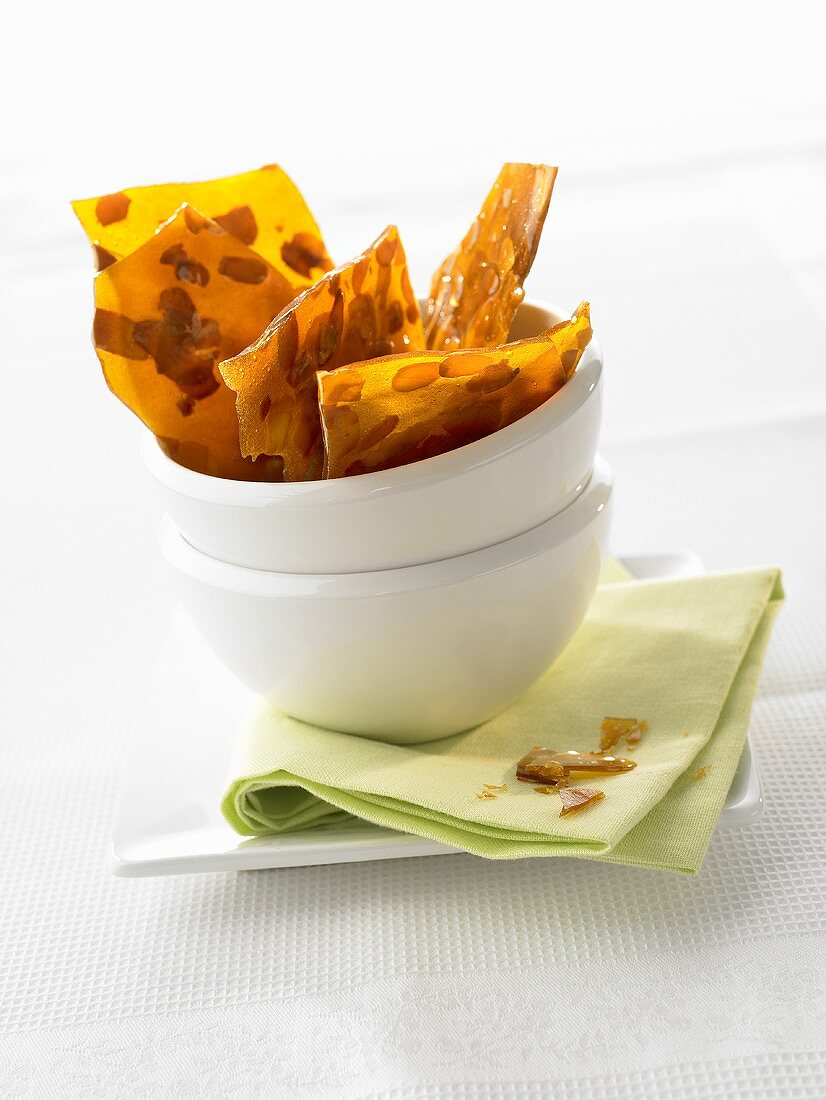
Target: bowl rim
x,y
369,584
345,490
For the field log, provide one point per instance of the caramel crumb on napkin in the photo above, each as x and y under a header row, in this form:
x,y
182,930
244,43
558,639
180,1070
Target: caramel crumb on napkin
x,y
485,794
495,786
701,772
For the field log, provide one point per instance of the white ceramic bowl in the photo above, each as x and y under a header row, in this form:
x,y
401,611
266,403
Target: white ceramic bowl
x,y
472,497
406,654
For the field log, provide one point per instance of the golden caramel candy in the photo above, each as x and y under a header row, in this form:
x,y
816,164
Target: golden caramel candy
x,y
475,293
542,765
612,729
403,408
262,209
597,763
575,799
166,316
359,311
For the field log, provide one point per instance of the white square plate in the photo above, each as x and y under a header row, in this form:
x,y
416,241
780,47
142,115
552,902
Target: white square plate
x,y
169,821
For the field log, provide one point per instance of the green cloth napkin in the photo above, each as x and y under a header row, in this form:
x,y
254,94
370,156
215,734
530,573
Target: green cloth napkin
x,y
684,654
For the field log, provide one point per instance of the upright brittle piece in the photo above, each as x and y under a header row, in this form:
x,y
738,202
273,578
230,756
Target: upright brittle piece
x,y
166,316
353,314
403,408
263,209
477,290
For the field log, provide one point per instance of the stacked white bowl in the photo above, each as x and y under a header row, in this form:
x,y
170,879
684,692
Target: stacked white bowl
x,y
412,603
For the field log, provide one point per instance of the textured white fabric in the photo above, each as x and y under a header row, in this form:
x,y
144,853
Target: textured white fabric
x,y
442,977
404,979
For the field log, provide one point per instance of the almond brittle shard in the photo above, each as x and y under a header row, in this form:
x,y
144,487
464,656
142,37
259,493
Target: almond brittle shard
x,y
476,291
403,408
362,310
575,799
262,209
166,316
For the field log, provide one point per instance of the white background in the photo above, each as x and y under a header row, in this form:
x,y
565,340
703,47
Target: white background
x,y
689,209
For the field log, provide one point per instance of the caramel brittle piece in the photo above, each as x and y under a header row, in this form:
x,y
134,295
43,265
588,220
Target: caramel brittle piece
x,y
495,786
264,210
403,408
543,765
595,762
701,773
166,316
477,290
540,766
612,729
353,314
575,799
485,794
552,788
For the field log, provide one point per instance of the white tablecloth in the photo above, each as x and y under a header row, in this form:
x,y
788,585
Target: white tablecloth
x,y
439,977
444,976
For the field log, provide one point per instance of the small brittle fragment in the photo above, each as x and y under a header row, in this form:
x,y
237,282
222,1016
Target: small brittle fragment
x,y
540,766
701,773
612,729
594,762
543,765
575,799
